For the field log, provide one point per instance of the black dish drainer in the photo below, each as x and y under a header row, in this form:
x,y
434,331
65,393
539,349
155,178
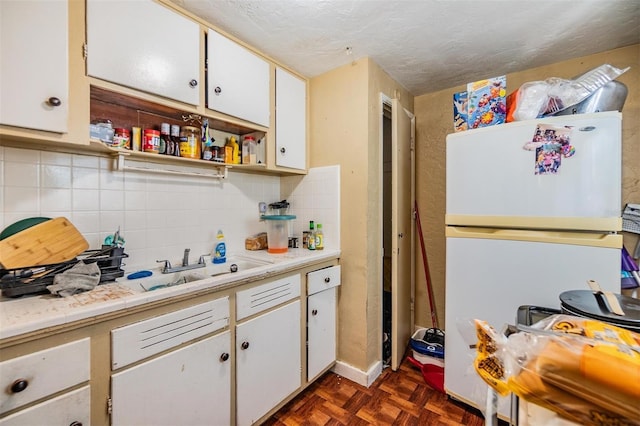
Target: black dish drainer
x,y
35,279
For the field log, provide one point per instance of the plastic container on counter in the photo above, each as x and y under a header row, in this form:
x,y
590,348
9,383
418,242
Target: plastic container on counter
x,y
278,232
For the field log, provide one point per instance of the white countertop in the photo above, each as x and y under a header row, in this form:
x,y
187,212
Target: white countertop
x,y
31,313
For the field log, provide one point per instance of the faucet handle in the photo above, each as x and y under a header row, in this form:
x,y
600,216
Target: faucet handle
x,y
201,259
167,264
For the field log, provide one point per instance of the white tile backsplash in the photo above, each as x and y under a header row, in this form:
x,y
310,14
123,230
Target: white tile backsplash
x,y
316,197
158,215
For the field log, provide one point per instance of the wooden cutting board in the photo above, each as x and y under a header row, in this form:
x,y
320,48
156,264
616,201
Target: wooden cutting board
x,y
53,241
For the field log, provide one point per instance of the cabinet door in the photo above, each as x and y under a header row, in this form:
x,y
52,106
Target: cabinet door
x,y
144,45
268,361
321,329
291,124
237,80
189,386
67,409
34,64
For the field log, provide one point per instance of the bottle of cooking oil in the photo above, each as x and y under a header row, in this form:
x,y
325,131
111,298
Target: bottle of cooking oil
x,y
319,237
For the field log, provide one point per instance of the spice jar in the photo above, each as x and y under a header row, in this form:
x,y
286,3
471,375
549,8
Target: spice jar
x,y
151,141
189,142
121,138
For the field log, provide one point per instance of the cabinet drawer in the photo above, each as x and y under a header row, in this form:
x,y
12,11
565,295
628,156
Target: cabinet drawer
x,y
67,409
43,373
323,279
263,297
137,341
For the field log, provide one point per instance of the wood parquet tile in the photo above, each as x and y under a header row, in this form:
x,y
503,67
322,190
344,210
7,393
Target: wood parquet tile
x,y
396,398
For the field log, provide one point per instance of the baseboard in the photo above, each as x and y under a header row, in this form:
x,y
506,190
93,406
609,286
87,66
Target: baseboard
x,y
363,378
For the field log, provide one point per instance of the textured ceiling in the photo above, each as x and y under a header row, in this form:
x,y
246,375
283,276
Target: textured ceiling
x,y
426,45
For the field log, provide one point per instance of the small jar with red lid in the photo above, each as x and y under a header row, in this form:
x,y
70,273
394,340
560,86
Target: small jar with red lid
x,y
121,138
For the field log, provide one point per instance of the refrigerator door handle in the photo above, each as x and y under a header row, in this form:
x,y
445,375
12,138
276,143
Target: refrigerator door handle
x,y
572,238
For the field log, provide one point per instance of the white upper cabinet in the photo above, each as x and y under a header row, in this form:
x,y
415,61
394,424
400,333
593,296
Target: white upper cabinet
x,y
34,64
146,46
291,125
237,80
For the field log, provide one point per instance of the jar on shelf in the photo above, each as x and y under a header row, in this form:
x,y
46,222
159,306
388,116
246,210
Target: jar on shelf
x,y
121,138
189,142
151,141
249,150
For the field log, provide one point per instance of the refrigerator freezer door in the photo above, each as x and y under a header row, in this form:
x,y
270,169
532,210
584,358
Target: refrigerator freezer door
x,y
489,278
492,180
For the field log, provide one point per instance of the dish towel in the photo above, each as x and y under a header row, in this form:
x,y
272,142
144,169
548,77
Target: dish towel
x,y
81,277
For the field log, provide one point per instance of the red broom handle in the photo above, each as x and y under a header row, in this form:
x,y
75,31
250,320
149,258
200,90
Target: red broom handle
x,y
434,315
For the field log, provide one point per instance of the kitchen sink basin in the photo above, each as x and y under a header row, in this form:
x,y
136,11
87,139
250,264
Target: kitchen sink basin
x,y
233,265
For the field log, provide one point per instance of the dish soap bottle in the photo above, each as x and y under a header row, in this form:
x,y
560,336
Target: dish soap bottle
x,y
219,254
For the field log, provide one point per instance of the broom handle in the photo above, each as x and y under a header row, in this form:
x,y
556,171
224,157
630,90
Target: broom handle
x,y
434,315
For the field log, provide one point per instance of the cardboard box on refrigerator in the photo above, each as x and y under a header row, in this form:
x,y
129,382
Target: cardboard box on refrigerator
x,y
460,112
486,101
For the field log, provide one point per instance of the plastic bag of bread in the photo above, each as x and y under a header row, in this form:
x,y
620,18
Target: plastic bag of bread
x,y
585,370
256,242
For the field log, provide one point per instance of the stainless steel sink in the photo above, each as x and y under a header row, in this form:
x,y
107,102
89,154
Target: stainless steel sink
x,y
233,265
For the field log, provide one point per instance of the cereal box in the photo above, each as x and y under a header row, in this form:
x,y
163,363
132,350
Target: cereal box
x,y
487,103
460,111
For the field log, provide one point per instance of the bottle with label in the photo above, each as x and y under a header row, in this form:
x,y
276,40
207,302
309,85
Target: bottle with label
x,y
175,140
190,142
311,243
165,138
219,254
235,156
249,150
319,237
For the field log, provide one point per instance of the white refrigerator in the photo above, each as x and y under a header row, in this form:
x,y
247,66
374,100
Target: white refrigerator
x,y
532,210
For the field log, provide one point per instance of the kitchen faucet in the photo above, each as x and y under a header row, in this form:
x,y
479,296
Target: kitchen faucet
x,y
168,269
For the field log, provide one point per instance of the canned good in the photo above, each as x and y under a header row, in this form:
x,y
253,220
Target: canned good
x,y
121,138
151,141
189,141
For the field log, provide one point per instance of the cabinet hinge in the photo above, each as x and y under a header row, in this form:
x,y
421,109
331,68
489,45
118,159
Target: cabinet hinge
x,y
109,406
85,51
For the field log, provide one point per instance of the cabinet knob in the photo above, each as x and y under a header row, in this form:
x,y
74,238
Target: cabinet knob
x,y
193,83
75,423
327,280
283,150
19,385
314,312
244,345
224,357
217,90
54,102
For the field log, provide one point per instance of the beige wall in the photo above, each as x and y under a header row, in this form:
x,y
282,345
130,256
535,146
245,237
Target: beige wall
x,y
345,129
434,121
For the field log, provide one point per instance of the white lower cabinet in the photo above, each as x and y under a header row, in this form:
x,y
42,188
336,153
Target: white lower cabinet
x,y
268,354
189,386
321,332
70,409
321,319
29,378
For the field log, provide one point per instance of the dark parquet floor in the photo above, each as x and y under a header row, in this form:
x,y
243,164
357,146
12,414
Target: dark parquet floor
x,y
396,398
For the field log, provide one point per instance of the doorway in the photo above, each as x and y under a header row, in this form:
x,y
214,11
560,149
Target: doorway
x,y
397,183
